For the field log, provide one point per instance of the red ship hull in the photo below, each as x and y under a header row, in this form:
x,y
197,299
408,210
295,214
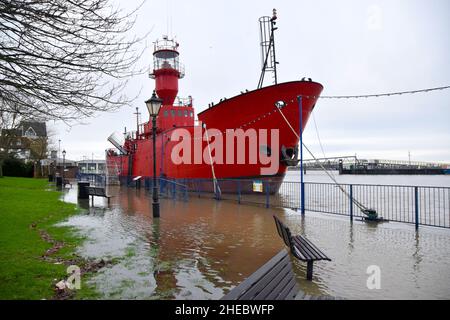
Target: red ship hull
x,y
254,110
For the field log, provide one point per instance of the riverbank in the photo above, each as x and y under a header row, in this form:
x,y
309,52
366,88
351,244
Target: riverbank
x,y
34,253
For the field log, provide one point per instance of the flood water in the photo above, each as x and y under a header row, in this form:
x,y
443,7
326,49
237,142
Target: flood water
x,y
202,248
402,180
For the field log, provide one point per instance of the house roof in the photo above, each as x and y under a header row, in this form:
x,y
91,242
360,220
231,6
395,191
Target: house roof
x,y
39,128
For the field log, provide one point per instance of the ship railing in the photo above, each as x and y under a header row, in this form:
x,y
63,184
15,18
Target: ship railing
x,y
183,102
142,127
165,44
168,64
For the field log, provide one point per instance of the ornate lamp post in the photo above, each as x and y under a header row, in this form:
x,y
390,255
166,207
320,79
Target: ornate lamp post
x,y
153,106
64,166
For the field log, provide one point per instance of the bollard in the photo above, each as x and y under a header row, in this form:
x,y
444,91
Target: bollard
x,y
267,194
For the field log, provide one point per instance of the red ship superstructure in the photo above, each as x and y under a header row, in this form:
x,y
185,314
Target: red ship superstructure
x,y
212,147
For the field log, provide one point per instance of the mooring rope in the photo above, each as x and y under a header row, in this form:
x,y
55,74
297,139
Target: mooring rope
x,y
215,182
356,202
317,133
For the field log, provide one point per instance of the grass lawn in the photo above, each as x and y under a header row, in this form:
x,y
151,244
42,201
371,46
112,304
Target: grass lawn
x,y
23,273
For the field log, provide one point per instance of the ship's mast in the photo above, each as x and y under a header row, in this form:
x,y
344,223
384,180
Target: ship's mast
x,y
268,58
137,113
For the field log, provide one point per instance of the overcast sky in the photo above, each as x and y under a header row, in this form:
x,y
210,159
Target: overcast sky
x,y
351,47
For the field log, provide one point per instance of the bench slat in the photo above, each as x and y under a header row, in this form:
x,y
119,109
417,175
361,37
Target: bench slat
x,y
277,274
282,232
305,249
264,281
287,237
298,254
318,252
277,224
290,291
241,290
97,191
301,247
286,282
310,247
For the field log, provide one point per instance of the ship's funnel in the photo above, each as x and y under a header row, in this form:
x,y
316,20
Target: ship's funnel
x,y
117,141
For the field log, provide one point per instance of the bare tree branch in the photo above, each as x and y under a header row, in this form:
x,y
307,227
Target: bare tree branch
x,y
65,60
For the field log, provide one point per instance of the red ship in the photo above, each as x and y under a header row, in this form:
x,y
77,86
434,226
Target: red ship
x,y
189,150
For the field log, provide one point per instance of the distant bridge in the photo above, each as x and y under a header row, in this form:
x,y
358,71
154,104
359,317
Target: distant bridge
x,y
353,163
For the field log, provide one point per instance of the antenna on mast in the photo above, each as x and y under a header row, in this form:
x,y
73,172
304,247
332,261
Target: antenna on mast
x,y
267,36
137,113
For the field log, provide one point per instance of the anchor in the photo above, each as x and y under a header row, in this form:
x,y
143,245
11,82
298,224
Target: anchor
x,y
372,216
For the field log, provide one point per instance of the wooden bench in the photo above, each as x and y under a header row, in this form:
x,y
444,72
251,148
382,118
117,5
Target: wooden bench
x,y
275,280
97,192
301,248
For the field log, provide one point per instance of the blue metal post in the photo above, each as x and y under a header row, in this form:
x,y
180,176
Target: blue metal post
x,y
174,188
198,183
216,191
416,200
302,184
239,191
267,194
351,202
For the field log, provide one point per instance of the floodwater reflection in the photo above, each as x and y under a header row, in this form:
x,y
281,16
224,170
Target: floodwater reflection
x,y
202,248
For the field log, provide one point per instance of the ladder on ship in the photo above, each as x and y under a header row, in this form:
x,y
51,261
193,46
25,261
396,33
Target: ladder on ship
x,y
268,59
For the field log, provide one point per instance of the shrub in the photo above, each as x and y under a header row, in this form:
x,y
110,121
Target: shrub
x,y
17,168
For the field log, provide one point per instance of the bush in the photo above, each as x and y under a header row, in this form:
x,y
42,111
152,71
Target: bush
x,y
17,168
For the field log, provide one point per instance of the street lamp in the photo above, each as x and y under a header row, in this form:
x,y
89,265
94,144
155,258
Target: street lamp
x,y
153,106
64,166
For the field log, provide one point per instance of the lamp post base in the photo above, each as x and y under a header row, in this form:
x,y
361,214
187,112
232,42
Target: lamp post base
x,y
155,206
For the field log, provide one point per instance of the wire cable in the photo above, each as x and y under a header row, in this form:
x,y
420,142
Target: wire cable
x,y
356,202
379,95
